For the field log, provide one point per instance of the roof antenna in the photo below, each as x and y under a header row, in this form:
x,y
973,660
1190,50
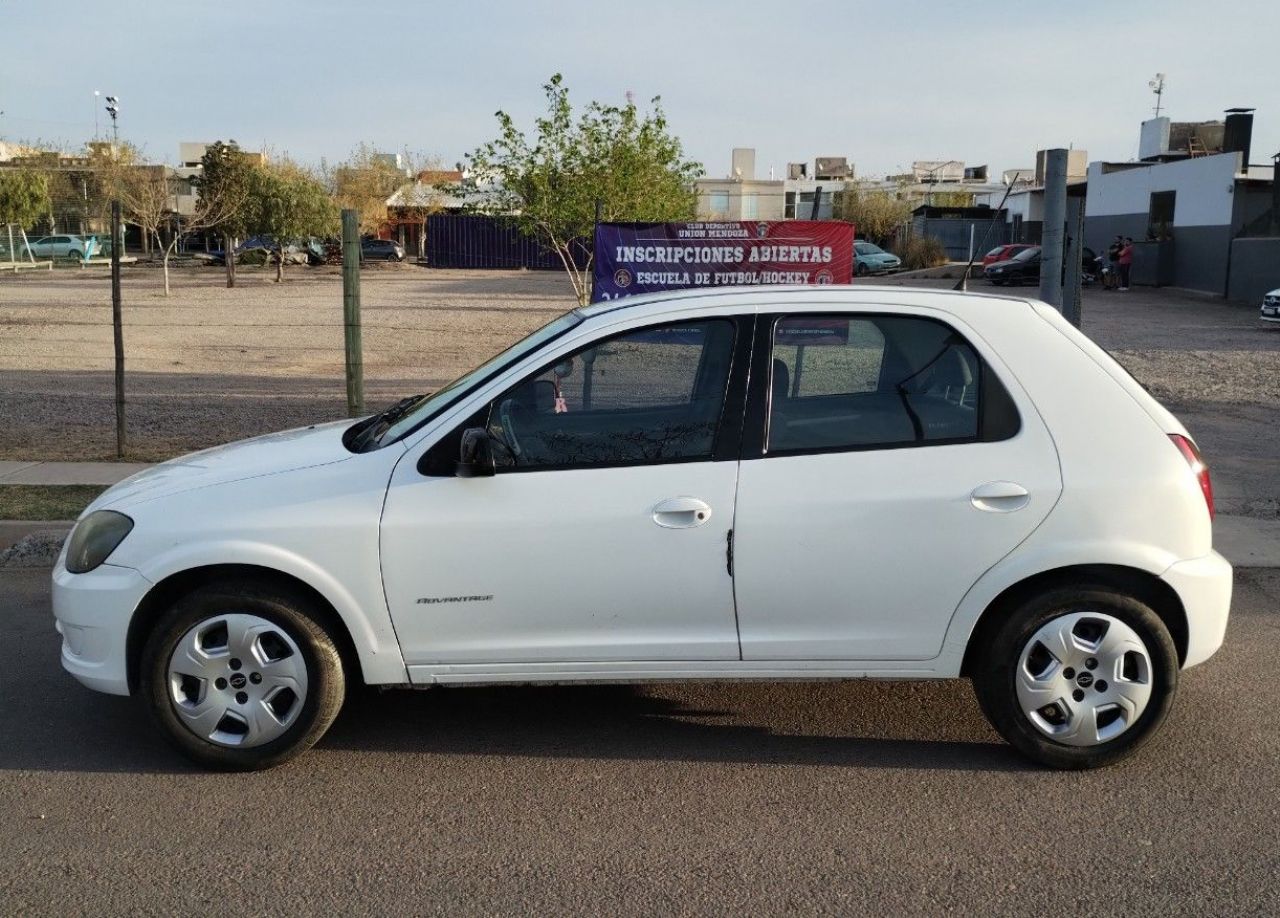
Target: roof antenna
x,y
1157,87
963,282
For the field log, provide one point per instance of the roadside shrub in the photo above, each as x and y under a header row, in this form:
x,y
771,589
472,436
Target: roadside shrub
x,y
919,252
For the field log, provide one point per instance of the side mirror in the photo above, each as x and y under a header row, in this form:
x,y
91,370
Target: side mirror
x,y
475,459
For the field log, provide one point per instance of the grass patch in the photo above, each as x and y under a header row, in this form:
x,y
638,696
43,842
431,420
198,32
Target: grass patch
x,y
45,502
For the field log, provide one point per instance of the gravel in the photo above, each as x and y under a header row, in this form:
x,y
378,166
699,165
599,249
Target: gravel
x,y
38,549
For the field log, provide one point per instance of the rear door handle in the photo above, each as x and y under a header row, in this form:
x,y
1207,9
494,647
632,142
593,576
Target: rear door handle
x,y
1000,496
681,513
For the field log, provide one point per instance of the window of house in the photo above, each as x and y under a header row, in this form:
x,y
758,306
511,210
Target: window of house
x,y
750,206
718,202
1160,221
651,395
841,382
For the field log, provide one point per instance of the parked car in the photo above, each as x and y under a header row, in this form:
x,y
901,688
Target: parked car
x,y
1004,252
741,483
1271,306
1025,266
871,259
77,247
299,252
381,250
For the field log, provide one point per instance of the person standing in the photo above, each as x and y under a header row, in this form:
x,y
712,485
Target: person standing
x,y
1113,264
1126,262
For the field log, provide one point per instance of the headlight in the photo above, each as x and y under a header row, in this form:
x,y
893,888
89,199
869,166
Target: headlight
x,y
95,538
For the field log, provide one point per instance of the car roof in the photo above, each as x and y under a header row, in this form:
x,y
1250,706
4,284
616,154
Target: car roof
x,y
783,297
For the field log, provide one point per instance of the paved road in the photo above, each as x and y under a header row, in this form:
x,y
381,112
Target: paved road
x,y
834,798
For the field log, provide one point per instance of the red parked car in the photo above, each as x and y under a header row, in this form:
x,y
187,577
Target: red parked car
x,y
1004,253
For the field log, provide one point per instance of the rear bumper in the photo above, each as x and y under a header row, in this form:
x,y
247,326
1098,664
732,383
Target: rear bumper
x,y
1204,586
92,613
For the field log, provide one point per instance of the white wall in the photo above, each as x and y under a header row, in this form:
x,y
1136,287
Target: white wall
x,y
1205,187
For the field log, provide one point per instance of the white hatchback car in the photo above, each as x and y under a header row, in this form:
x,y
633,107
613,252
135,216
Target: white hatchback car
x,y
760,483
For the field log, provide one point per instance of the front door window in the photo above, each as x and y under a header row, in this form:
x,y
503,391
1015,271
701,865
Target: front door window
x,y
647,396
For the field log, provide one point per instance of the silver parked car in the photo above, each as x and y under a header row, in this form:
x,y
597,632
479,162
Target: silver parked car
x,y
77,247
1271,307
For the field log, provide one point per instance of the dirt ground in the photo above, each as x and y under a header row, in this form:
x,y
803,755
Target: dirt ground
x,y
208,364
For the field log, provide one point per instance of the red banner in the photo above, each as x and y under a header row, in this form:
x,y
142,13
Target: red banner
x,y
636,258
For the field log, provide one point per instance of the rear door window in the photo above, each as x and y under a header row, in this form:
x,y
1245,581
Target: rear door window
x,y
865,382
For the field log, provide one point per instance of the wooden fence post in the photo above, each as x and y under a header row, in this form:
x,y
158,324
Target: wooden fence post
x,y
351,312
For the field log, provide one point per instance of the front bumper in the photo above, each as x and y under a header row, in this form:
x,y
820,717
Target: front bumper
x,y
1204,586
92,613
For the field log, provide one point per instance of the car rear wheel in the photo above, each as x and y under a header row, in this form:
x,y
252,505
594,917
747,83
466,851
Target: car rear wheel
x,y
241,676
1078,678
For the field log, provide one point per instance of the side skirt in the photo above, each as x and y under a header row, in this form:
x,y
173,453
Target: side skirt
x,y
678,671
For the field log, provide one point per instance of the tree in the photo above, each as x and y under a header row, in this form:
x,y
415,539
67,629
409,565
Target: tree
x,y
226,175
289,203
24,196
550,184
364,182
875,212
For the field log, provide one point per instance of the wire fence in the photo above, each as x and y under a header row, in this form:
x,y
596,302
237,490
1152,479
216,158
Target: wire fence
x,y
210,364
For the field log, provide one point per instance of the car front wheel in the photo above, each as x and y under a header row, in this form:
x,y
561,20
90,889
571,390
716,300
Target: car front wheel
x,y
1078,678
241,676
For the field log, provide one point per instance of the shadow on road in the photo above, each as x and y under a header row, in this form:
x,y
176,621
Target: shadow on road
x,y
71,729
634,723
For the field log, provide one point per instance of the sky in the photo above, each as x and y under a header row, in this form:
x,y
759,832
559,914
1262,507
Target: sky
x,y
880,83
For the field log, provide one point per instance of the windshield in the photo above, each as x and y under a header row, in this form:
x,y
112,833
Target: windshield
x,y
866,248
1026,254
430,405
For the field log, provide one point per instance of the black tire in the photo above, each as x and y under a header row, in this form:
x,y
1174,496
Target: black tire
x,y
998,282
863,270
392,257
995,671
290,611
76,256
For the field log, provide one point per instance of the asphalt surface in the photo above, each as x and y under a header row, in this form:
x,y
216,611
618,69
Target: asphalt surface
x,y
889,798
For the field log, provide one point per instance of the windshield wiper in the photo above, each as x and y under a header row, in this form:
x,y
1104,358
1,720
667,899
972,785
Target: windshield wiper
x,y
377,425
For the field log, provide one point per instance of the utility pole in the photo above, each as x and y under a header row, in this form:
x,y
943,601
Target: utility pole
x,y
1055,220
117,326
351,312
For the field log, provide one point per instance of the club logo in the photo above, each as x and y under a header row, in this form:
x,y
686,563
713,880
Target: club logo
x,y
824,277
622,278
762,230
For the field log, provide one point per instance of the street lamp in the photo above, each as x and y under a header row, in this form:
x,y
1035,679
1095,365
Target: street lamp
x,y
113,109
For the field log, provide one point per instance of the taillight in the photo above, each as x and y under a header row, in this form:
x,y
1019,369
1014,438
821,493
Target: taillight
x,y
1198,467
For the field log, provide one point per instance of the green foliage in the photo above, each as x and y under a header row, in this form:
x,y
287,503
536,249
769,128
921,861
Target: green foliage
x,y
289,203
550,182
877,213
226,177
950,198
24,196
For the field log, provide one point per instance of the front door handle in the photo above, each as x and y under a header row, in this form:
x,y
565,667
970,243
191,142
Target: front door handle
x,y
681,513
1000,496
